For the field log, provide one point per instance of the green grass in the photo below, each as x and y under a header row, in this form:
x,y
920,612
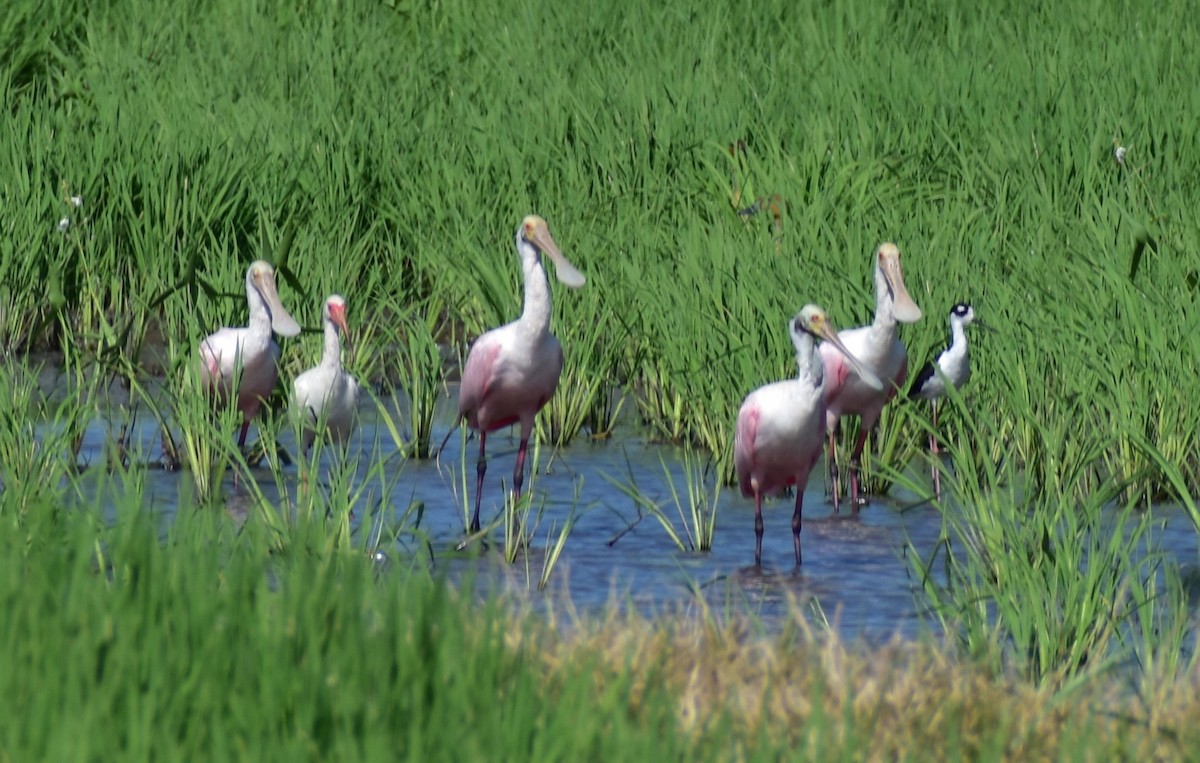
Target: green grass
x,y
307,651
398,181
386,151
695,504
298,656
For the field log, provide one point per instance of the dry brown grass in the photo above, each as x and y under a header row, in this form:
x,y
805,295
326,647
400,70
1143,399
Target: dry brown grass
x,y
807,691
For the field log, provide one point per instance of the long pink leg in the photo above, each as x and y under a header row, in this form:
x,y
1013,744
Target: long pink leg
x,y
480,470
855,464
758,528
834,477
830,464
519,471
518,481
933,448
242,436
796,522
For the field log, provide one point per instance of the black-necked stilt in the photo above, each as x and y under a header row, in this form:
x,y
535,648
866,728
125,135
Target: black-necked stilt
x,y
952,366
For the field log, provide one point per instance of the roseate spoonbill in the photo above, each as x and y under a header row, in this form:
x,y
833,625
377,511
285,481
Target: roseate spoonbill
x,y
248,356
952,366
878,348
513,370
781,426
326,395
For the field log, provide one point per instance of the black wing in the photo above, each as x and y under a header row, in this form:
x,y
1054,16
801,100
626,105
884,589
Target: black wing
x,y
922,378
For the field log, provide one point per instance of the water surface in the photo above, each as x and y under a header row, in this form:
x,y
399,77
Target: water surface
x,y
855,569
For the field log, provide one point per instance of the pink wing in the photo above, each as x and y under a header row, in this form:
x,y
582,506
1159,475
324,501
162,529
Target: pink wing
x,y
836,371
218,353
743,446
476,378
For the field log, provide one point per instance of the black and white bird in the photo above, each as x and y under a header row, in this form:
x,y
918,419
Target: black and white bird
x,y
952,366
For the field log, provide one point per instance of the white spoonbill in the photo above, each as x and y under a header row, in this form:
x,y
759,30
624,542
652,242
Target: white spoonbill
x,y
325,397
951,367
781,426
248,356
877,347
513,370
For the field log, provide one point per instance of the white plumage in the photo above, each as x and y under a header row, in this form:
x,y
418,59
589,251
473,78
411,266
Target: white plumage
x,y
325,397
952,366
249,355
877,347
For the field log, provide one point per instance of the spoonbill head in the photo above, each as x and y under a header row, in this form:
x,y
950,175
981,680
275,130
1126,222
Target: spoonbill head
x,y
889,285
534,239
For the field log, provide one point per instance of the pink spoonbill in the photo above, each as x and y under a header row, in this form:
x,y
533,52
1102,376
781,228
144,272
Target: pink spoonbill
x,y
248,356
325,397
781,426
513,370
878,348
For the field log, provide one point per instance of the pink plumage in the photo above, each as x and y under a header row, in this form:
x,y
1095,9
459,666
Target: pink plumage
x,y
513,370
780,426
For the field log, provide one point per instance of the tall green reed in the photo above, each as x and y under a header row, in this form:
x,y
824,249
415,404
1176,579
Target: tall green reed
x,y
317,631
695,505
412,357
185,178
38,444
1056,582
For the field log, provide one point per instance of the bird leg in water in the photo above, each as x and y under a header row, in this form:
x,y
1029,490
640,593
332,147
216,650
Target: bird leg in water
x,y
242,435
833,483
519,470
480,470
933,449
855,465
758,528
518,482
796,523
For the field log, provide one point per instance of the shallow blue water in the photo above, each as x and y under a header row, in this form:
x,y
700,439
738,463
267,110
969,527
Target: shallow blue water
x,y
854,571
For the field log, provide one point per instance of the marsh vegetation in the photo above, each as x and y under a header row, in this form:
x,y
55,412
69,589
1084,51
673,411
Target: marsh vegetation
x,y
386,151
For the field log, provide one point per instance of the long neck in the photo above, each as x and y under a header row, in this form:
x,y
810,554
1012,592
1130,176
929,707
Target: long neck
x,y
260,314
333,347
808,361
958,337
536,314
885,304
